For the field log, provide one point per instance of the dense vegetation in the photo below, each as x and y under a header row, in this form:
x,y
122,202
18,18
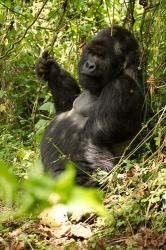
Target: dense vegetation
x,y
136,193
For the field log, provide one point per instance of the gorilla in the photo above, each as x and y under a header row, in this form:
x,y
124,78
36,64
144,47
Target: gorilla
x,y
92,127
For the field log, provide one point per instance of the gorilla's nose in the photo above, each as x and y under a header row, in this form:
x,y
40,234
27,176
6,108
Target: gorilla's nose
x,y
90,66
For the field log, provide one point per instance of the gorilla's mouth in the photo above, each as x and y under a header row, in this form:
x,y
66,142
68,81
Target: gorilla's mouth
x,y
91,75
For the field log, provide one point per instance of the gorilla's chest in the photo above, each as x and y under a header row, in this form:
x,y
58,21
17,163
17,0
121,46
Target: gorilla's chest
x,y
82,108
84,103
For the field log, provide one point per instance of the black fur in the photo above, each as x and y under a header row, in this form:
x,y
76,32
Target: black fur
x,y
107,114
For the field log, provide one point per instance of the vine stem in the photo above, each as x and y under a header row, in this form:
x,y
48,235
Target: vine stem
x,y
113,13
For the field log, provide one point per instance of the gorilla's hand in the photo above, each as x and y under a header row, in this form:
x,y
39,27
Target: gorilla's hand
x,y
46,67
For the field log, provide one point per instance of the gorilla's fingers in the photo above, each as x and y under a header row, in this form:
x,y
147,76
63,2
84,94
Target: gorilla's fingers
x,y
45,54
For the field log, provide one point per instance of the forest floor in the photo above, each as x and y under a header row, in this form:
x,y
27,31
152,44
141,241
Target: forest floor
x,y
82,232
86,234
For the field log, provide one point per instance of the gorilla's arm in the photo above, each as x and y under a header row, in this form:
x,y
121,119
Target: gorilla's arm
x,y
63,86
117,114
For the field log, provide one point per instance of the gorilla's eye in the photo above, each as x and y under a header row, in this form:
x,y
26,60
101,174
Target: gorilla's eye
x,y
89,51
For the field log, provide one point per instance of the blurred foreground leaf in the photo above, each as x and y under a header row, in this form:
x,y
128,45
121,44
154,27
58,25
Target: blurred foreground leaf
x,y
33,193
8,184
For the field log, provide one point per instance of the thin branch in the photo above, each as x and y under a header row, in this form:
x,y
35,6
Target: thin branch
x,y
149,7
145,50
113,13
59,24
15,12
146,138
130,14
108,13
21,38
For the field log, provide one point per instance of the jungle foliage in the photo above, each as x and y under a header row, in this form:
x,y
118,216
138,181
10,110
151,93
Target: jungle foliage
x,y
136,193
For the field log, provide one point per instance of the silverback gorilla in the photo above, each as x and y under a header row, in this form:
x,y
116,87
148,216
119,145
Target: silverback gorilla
x,y
91,125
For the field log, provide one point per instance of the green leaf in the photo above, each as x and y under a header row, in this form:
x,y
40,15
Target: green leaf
x,y
65,182
8,184
48,106
83,199
2,93
155,199
36,191
41,124
157,141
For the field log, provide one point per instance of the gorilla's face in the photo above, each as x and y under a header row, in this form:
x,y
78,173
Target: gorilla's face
x,y
98,64
94,61
105,57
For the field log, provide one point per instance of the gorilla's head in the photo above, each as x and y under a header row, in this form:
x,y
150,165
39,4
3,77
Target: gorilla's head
x,y
105,57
